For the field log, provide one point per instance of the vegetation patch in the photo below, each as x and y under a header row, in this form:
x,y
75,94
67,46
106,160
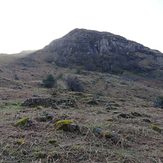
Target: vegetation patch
x,y
74,84
61,124
108,135
159,102
23,122
49,81
156,128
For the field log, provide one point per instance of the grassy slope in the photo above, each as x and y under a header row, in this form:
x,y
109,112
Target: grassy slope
x,y
140,143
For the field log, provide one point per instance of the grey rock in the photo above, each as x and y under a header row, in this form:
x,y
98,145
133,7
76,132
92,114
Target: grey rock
x,y
103,51
125,115
100,51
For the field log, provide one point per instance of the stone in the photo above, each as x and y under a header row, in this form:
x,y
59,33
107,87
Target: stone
x,y
92,102
39,101
108,135
147,120
114,137
125,115
136,114
49,102
98,131
44,117
67,125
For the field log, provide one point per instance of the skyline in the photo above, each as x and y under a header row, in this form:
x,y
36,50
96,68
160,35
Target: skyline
x,y
32,24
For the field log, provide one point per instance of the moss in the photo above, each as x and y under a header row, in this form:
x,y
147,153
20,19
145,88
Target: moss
x,y
22,121
156,128
62,123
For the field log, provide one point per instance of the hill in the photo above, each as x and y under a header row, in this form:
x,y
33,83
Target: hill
x,y
103,52
102,107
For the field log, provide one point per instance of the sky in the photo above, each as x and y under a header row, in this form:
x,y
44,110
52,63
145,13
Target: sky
x,y
32,24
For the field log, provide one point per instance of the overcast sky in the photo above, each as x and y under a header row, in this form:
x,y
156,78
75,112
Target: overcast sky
x,y
32,24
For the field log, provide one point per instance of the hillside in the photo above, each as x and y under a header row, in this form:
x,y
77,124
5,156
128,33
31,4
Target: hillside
x,y
101,108
8,58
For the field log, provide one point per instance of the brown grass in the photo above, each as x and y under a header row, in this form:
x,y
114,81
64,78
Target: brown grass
x,y
139,142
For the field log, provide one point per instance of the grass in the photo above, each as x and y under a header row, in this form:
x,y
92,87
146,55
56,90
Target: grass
x,y
44,143
10,106
41,142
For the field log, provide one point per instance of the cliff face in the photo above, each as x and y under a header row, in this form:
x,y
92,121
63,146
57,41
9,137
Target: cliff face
x,y
104,52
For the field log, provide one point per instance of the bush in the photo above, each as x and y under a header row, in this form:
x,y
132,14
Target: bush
x,y
74,84
159,102
49,82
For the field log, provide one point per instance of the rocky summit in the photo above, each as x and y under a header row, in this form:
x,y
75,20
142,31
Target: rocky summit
x,y
103,52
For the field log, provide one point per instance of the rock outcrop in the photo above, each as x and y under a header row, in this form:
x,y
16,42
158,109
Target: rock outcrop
x,y
104,52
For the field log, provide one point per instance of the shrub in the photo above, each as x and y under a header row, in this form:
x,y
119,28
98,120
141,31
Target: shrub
x,y
159,102
74,84
49,82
